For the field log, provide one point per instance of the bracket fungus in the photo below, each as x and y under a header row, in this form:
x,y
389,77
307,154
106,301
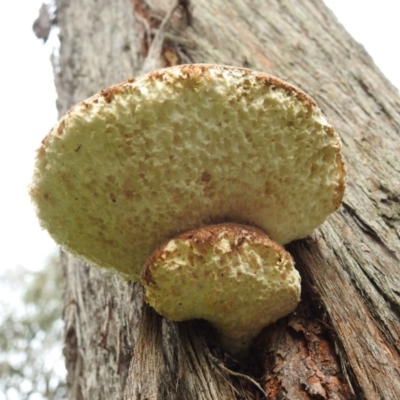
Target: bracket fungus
x,y
236,154
231,275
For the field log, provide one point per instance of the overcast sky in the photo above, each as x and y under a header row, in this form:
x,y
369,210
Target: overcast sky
x,y
28,111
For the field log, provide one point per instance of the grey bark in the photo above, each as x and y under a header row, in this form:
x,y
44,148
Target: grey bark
x,y
42,24
343,341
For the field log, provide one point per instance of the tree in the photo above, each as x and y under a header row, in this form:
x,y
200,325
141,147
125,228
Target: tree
x,y
31,333
343,341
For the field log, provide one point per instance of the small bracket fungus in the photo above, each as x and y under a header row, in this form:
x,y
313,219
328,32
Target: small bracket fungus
x,y
181,148
231,275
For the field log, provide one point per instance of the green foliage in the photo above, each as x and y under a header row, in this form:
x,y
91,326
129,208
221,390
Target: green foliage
x,y
31,362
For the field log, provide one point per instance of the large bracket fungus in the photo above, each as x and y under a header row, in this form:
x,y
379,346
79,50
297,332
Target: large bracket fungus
x,y
124,174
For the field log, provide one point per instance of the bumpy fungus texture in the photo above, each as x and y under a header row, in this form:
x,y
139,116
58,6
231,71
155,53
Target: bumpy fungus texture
x,y
231,275
183,147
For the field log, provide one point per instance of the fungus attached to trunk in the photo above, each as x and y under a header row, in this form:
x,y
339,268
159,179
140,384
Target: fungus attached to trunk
x,y
231,275
181,148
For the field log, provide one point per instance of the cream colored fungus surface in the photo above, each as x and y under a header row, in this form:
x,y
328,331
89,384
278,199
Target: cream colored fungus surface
x,y
179,148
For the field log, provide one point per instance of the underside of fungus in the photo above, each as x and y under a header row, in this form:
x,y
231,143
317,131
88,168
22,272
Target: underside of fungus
x,y
231,275
180,148
185,148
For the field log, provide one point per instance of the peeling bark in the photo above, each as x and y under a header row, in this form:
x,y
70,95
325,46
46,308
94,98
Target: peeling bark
x,y
301,360
343,341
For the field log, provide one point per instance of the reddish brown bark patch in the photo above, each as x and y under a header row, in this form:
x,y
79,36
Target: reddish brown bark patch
x,y
301,362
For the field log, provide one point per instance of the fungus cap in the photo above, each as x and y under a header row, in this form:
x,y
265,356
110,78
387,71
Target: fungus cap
x,y
179,148
231,275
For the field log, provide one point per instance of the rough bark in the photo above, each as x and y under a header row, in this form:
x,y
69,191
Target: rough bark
x,y
343,341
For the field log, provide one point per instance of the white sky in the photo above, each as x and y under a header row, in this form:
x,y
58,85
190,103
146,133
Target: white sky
x,y
376,25
27,113
28,109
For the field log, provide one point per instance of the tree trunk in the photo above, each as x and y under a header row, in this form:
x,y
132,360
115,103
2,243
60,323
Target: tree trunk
x,y
343,341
